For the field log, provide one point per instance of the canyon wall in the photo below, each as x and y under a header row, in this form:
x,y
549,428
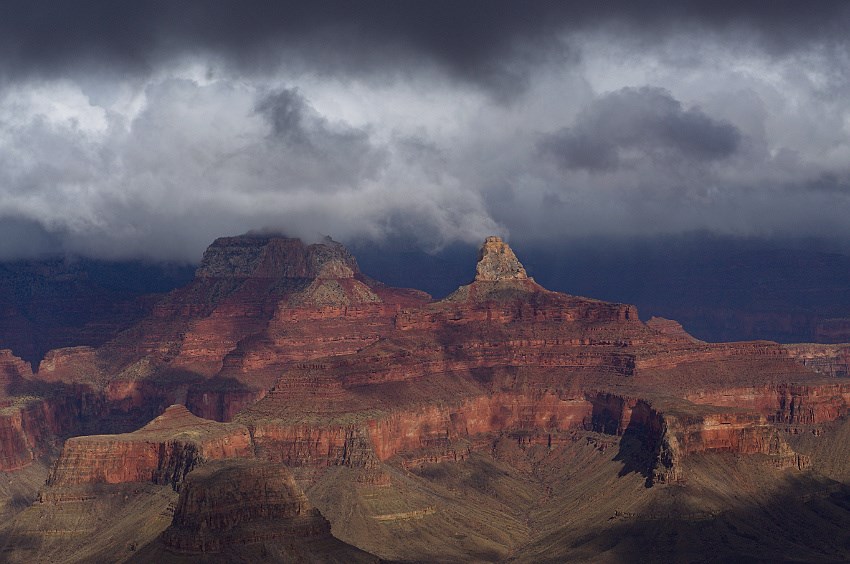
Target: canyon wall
x,y
227,504
163,452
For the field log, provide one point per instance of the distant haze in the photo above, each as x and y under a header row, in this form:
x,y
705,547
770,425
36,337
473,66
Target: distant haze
x,y
147,129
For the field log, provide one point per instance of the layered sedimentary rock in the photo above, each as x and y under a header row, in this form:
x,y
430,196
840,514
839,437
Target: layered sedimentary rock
x,y
12,371
667,327
216,345
327,367
305,363
832,360
163,451
251,292
228,503
23,435
497,262
26,424
812,403
248,510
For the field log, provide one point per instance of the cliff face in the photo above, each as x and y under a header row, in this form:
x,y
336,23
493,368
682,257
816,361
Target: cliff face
x,y
497,261
294,359
320,366
503,355
831,360
215,345
261,256
23,435
668,327
28,424
785,404
241,502
12,371
163,452
247,294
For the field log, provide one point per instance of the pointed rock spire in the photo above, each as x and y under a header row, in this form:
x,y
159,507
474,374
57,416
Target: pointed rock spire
x,y
496,261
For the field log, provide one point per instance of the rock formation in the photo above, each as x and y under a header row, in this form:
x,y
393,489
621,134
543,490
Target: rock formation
x,y
667,327
228,503
163,452
306,363
380,372
497,262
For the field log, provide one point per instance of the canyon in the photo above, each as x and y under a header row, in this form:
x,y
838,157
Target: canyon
x,y
283,404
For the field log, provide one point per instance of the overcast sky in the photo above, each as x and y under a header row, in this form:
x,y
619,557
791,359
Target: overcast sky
x,y
150,128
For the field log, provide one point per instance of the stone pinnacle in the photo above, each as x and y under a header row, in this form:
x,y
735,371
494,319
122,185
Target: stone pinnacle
x,y
496,261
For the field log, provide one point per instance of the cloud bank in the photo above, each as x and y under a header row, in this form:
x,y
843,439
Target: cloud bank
x,y
148,130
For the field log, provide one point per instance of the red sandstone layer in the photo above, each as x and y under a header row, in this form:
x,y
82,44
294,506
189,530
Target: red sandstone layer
x,y
325,366
163,451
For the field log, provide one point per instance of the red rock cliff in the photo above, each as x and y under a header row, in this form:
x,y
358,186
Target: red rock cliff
x,y
162,452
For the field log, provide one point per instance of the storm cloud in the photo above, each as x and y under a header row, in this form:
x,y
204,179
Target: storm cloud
x,y
149,128
474,37
639,124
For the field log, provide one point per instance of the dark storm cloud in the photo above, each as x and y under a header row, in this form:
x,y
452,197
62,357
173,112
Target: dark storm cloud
x,y
285,111
831,182
636,124
467,38
150,128
489,41
311,152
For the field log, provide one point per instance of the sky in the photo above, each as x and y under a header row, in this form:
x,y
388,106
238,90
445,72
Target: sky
x,y
148,128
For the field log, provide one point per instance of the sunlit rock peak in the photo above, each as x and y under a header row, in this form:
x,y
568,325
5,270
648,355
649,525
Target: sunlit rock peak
x,y
496,261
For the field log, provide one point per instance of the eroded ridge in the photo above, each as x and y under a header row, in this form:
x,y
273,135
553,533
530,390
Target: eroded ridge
x,y
163,452
227,503
283,355
365,373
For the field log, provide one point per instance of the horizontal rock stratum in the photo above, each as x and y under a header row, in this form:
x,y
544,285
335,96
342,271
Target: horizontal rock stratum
x,y
327,366
286,355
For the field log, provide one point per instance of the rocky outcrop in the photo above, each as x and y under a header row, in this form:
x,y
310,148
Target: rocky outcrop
x,y
273,256
668,327
321,370
24,434
832,360
12,371
70,365
229,503
497,262
28,425
247,293
220,401
163,451
503,355
788,404
427,431
228,507
178,354
320,366
720,431
670,430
